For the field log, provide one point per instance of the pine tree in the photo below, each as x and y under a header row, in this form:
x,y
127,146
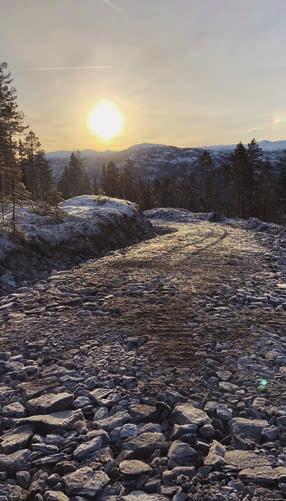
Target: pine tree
x,y
206,187
242,178
110,180
128,182
74,181
11,124
280,189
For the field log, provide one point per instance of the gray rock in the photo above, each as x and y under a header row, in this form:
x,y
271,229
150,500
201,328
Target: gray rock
x,y
104,396
16,461
188,414
245,459
207,431
251,428
134,467
216,455
145,444
50,402
183,429
55,496
85,482
115,421
13,410
281,421
14,441
181,454
50,422
223,412
142,496
23,479
128,430
142,412
228,387
264,475
12,493
270,433
87,448
224,375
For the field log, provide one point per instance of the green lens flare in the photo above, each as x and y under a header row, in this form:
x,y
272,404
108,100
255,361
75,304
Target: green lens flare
x,y
263,382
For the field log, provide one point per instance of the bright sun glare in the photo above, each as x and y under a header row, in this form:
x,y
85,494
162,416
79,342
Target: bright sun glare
x,y
105,120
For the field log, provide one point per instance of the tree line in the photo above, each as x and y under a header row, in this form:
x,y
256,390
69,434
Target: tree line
x,y
245,186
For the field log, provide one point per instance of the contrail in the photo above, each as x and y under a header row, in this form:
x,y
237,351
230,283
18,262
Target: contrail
x,y
113,6
68,68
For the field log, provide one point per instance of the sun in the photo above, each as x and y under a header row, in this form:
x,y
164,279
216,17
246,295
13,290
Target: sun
x,y
105,120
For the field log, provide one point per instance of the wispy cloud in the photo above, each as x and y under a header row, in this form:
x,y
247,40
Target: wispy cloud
x,y
114,6
68,68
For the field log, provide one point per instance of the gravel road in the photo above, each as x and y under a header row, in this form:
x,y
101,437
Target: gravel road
x,y
194,317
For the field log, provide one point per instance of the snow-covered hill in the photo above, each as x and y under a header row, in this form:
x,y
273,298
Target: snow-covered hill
x,y
152,160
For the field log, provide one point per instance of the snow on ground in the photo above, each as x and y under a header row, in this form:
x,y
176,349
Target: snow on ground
x,y
85,226
75,206
81,215
177,215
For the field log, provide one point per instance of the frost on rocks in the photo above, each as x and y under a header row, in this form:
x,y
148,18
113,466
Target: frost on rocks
x,y
88,226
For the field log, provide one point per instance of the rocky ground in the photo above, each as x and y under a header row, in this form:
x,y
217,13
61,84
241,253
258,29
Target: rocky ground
x,y
157,372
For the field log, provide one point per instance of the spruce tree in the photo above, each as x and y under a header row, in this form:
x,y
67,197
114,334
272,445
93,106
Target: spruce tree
x,y
11,124
110,180
242,176
74,180
128,183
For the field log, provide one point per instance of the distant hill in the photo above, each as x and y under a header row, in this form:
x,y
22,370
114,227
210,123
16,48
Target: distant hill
x,y
156,160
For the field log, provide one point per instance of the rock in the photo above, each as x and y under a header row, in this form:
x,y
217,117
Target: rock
x,y
115,421
85,482
181,454
188,414
128,430
14,441
251,428
145,444
15,461
105,397
11,493
228,387
245,459
216,455
223,412
264,475
50,422
23,479
55,496
134,467
281,421
183,430
38,484
13,410
50,402
207,431
142,412
169,477
224,375
270,433
87,448
142,496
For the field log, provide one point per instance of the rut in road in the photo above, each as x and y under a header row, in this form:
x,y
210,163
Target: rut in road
x,y
180,289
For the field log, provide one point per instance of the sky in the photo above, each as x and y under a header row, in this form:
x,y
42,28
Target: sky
x,y
183,72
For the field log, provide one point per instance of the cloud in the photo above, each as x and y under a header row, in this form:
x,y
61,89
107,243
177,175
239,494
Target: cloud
x,y
68,68
113,6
